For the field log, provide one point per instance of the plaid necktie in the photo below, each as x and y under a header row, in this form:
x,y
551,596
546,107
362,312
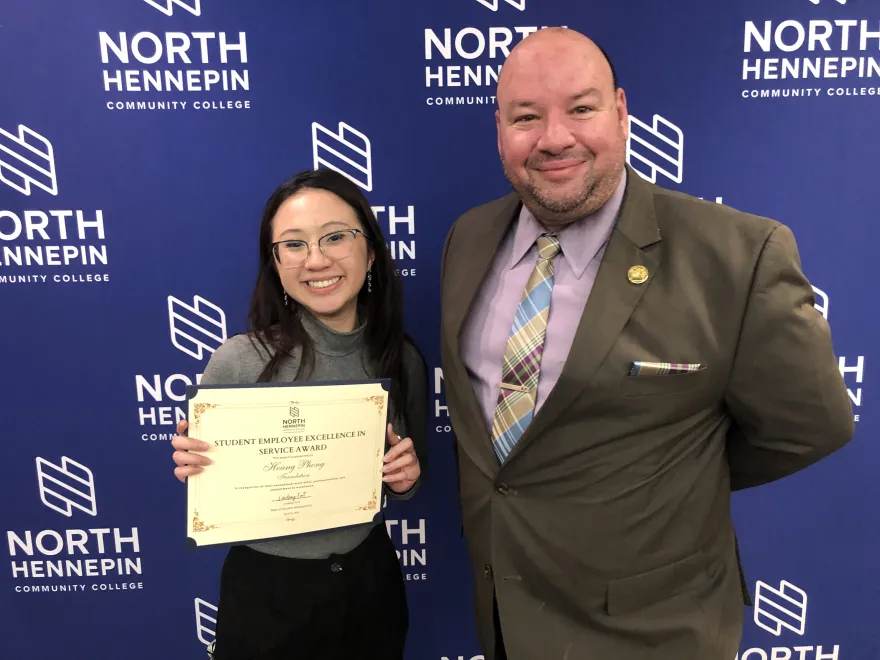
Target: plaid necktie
x,y
522,359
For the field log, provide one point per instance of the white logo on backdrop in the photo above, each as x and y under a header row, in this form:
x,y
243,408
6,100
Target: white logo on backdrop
x,y
66,487
493,4
196,328
659,148
410,542
348,152
841,2
167,7
27,159
785,607
822,303
206,621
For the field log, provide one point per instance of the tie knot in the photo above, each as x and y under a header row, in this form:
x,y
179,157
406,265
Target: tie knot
x,y
548,246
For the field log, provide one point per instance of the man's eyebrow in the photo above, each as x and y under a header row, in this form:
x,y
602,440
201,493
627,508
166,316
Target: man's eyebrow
x,y
523,103
513,105
589,91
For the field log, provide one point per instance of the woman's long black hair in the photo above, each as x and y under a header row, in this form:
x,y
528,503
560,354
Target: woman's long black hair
x,y
277,326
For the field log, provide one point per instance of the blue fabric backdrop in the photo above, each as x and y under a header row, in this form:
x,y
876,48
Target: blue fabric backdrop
x,y
140,139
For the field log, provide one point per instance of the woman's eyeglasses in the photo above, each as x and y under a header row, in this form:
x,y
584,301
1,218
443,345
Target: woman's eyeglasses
x,y
293,253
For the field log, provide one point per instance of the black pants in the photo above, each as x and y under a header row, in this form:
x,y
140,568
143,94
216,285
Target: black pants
x,y
346,606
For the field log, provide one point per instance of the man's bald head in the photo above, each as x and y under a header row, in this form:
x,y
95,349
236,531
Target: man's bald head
x,y
562,125
540,41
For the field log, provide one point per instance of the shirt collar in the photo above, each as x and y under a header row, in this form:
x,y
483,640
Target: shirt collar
x,y
580,241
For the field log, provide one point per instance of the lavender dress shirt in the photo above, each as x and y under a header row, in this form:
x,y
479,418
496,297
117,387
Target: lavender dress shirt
x,y
485,333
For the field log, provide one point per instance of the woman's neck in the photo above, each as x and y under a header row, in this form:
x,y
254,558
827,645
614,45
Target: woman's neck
x,y
345,321
331,339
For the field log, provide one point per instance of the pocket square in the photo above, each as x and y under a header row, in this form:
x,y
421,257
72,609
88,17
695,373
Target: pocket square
x,y
662,368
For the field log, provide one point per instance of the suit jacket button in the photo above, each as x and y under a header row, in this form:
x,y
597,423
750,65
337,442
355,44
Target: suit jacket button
x,y
502,489
487,571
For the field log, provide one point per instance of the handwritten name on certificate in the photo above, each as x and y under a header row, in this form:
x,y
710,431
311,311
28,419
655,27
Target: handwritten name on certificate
x,y
287,459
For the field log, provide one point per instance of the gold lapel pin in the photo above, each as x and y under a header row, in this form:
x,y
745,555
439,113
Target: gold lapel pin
x,y
637,274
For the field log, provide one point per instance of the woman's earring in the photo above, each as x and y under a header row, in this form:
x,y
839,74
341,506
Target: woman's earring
x,y
370,282
285,298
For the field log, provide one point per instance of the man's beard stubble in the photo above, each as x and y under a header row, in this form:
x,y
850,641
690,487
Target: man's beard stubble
x,y
557,213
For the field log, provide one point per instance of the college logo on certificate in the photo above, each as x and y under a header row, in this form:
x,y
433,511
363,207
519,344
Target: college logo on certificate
x,y
294,422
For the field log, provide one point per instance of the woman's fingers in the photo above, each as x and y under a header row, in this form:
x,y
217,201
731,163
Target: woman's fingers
x,y
403,475
183,458
183,472
399,464
402,446
184,443
188,464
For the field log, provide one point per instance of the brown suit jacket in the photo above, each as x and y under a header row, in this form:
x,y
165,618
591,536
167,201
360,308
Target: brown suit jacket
x,y
607,533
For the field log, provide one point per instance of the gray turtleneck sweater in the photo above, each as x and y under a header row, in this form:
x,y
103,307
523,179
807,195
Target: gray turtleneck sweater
x,y
338,356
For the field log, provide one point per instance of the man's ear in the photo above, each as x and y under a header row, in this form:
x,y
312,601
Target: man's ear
x,y
622,113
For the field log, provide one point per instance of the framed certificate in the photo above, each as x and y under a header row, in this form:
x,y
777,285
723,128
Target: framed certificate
x,y
287,459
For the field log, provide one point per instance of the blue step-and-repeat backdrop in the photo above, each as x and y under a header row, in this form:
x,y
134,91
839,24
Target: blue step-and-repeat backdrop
x,y
139,140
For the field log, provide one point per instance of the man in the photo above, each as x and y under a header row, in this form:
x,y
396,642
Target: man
x,y
595,476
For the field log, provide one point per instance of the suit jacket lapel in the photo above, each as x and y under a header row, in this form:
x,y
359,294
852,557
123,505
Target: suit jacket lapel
x,y
612,301
478,256
464,280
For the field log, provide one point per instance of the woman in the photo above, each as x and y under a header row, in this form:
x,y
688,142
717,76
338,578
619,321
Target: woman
x,y
327,306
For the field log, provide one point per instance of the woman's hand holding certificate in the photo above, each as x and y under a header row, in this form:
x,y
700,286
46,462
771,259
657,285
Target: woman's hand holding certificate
x,y
402,469
287,459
